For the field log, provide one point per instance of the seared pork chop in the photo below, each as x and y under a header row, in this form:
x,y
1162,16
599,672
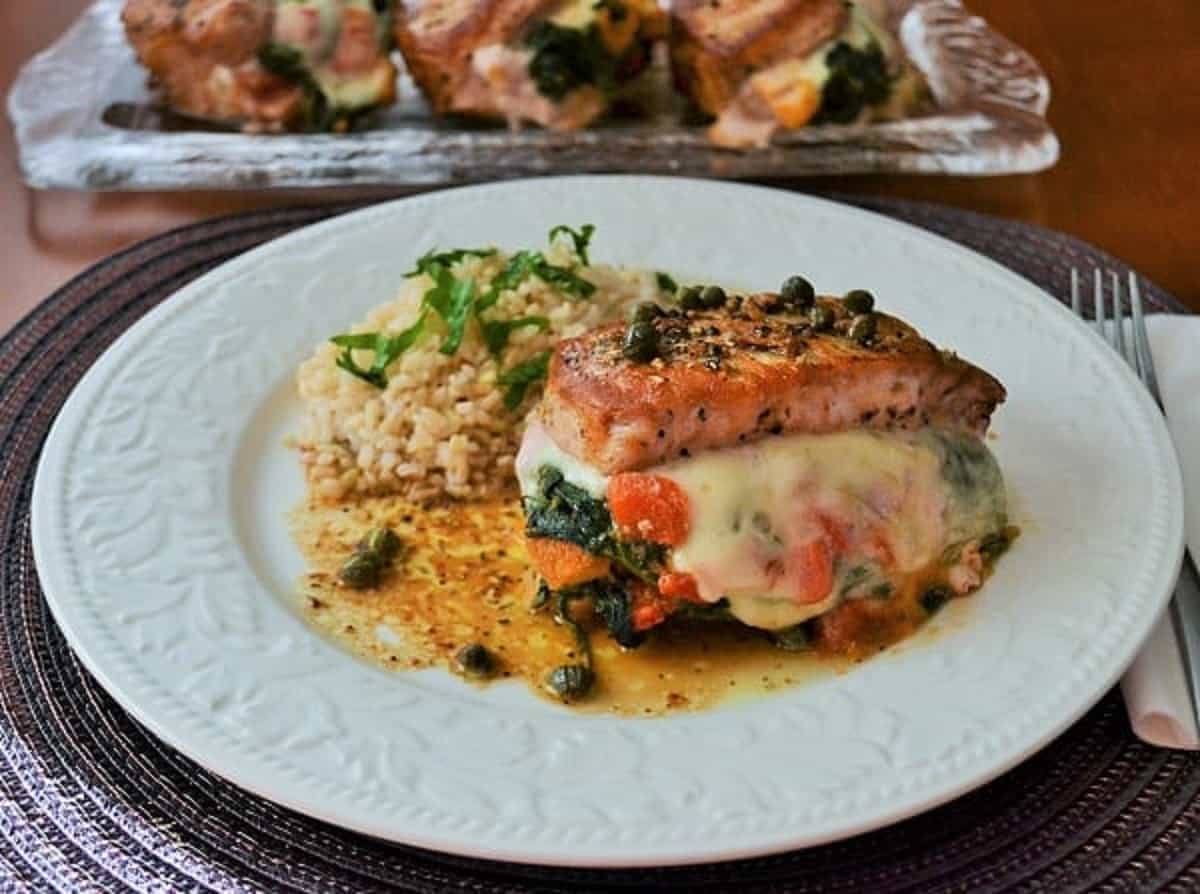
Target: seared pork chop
x,y
739,373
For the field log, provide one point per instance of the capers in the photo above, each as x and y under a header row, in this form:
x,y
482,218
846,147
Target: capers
x,y
712,297
798,293
383,542
371,558
689,298
641,342
863,329
569,681
647,312
820,317
934,598
475,661
361,571
859,301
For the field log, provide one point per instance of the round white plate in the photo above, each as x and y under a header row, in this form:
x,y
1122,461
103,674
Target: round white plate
x,y
160,540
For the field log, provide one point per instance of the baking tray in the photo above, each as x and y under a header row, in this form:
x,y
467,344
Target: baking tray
x,y
84,118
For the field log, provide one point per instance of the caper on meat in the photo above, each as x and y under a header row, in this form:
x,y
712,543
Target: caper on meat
x,y
361,571
475,661
798,293
689,298
712,297
820,317
934,598
569,681
647,312
859,301
383,542
863,329
641,342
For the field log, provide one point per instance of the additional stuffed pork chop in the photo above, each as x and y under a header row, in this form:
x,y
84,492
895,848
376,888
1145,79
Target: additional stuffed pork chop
x,y
266,64
801,464
555,63
759,66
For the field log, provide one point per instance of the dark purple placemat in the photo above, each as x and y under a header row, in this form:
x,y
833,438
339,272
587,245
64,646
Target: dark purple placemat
x,y
90,801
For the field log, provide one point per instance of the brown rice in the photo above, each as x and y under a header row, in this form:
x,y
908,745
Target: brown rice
x,y
440,426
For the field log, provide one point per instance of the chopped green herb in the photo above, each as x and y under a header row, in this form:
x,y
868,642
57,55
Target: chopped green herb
x,y
562,278
520,377
458,311
386,347
432,259
496,332
665,283
579,239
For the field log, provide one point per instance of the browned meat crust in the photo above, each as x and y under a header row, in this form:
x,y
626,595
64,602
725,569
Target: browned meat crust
x,y
437,38
204,56
716,46
733,375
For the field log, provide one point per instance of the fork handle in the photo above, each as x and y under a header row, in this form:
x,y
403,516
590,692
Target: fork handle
x,y
1186,605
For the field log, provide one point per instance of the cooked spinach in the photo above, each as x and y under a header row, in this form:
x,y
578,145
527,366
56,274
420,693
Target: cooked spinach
x,y
858,78
567,58
666,283
797,638
613,603
288,63
563,511
709,611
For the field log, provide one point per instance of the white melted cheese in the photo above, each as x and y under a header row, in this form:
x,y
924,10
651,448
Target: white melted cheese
x,y
574,14
752,507
755,508
538,449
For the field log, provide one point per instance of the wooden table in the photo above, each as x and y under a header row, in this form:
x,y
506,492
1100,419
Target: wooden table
x,y
1126,107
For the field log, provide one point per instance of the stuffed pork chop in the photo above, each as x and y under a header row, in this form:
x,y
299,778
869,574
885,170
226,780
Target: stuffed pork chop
x,y
555,63
806,466
267,65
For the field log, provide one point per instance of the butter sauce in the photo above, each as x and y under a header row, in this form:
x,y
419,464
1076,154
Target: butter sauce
x,y
463,577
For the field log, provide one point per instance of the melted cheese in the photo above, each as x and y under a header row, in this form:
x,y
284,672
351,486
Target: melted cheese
x,y
574,14
870,500
755,507
538,449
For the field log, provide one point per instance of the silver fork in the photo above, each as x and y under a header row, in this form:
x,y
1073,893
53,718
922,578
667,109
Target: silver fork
x,y
1185,604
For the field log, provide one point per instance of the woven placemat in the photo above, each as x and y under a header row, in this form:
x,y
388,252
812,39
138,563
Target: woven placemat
x,y
91,801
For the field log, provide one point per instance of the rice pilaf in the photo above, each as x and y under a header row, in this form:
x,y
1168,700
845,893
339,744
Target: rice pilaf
x,y
439,425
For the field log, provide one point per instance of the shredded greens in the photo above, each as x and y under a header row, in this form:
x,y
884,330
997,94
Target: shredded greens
x,y
579,239
520,377
458,301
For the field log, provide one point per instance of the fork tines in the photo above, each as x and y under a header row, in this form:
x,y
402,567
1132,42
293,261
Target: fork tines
x,y
1134,345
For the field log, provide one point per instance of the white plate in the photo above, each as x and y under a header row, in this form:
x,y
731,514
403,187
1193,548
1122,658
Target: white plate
x,y
160,540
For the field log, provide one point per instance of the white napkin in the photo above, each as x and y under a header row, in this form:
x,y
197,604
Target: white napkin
x,y
1155,686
